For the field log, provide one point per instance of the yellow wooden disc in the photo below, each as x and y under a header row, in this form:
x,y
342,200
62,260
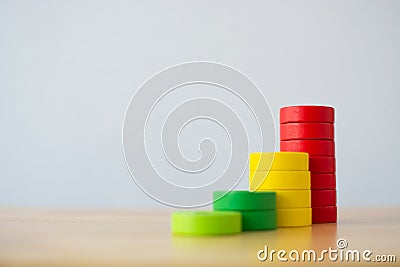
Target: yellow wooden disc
x,y
270,180
293,217
287,199
278,161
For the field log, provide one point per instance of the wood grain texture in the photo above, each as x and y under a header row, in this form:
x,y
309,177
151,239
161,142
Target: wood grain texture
x,y
62,237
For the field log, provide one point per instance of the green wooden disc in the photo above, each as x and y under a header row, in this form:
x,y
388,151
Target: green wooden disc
x,y
206,222
258,220
244,200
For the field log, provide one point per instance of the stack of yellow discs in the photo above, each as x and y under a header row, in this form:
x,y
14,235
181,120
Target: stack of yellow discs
x,y
287,174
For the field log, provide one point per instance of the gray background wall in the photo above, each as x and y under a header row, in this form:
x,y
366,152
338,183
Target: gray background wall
x,y
69,68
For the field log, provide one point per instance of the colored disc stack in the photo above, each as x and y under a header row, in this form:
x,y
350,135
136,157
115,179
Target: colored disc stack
x,y
287,174
258,209
311,129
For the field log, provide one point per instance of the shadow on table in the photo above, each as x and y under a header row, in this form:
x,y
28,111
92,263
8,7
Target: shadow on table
x,y
233,248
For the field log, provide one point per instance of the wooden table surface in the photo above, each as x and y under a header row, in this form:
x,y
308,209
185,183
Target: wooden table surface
x,y
78,237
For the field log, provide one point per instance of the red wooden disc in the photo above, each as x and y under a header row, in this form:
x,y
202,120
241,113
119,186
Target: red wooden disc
x,y
312,147
307,114
323,197
322,164
326,214
294,131
323,181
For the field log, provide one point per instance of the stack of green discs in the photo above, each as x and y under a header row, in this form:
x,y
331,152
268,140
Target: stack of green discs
x,y
258,209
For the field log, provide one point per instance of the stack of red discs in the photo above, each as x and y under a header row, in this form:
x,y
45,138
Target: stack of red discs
x,y
311,129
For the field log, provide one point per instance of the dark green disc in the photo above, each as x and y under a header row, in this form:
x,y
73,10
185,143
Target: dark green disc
x,y
244,200
258,220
